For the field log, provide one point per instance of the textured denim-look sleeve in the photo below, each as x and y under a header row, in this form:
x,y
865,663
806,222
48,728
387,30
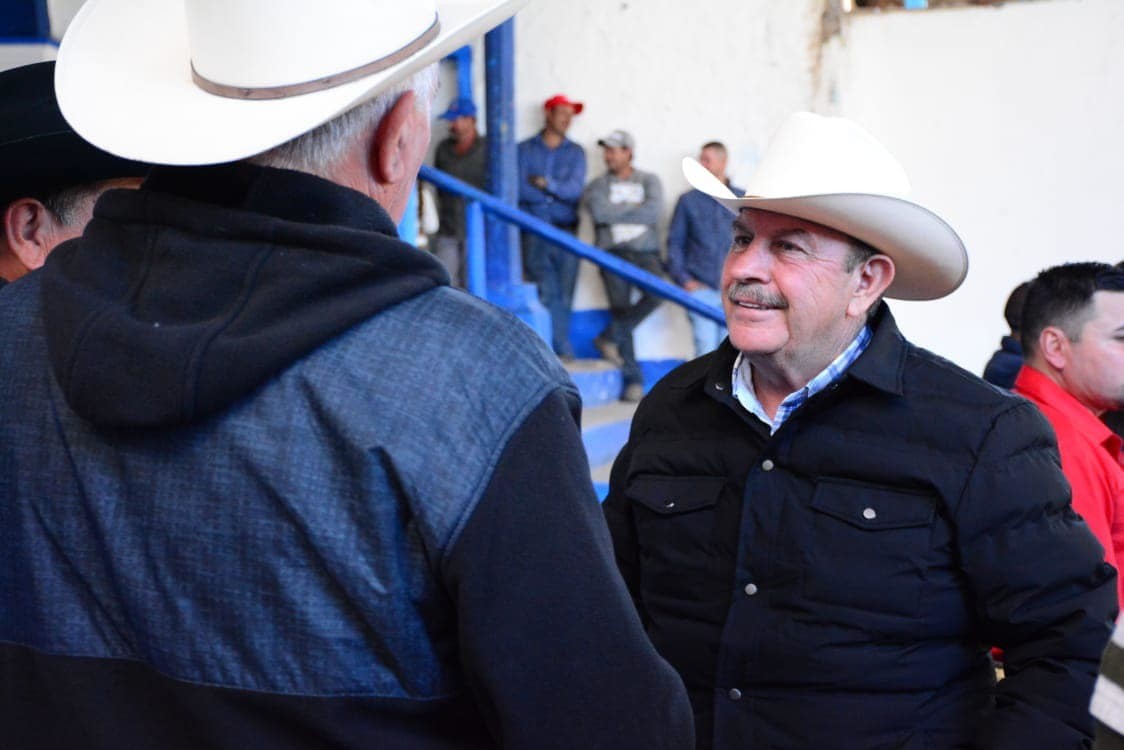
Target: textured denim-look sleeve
x,y
549,640
1043,593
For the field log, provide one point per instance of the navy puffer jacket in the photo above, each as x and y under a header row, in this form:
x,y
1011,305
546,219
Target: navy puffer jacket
x,y
838,584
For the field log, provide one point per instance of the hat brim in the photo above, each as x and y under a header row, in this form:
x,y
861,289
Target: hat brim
x,y
123,80
34,167
930,260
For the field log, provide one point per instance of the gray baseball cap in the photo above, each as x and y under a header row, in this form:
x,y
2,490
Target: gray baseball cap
x,y
618,139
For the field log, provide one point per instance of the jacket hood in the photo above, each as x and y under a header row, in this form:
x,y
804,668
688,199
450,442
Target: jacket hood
x,y
186,295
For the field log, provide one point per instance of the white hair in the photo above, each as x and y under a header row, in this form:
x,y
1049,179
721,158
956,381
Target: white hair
x,y
319,151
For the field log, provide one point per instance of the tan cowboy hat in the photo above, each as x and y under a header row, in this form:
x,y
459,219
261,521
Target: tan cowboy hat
x,y
208,81
830,171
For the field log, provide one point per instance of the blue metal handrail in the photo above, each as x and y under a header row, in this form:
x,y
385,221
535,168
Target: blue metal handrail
x,y
477,201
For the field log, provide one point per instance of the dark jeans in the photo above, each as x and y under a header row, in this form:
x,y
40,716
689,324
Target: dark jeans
x,y
555,271
626,315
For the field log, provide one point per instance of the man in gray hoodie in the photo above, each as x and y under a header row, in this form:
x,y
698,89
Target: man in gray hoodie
x,y
625,205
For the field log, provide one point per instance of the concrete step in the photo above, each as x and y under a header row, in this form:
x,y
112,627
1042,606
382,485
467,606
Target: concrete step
x,y
604,433
605,419
600,477
605,430
598,381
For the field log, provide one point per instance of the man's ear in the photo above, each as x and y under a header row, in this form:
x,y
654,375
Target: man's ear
x,y
875,276
390,152
29,229
1053,347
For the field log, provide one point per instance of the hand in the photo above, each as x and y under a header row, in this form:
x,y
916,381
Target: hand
x,y
538,181
692,285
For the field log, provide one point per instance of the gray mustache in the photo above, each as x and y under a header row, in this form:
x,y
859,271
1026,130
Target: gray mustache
x,y
755,295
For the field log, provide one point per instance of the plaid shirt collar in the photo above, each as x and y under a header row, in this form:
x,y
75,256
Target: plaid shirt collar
x,y
742,380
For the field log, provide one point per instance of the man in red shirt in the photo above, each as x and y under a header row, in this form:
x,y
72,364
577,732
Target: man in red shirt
x,y
1073,342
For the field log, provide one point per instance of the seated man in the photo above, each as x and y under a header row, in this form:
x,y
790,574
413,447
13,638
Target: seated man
x,y
824,526
50,177
625,205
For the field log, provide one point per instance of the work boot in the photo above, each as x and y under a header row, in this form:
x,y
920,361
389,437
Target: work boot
x,y
608,349
633,392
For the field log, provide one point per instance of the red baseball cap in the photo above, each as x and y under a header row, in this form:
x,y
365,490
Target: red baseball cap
x,y
561,99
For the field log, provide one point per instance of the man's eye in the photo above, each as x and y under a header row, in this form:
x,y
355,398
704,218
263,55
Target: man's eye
x,y
742,241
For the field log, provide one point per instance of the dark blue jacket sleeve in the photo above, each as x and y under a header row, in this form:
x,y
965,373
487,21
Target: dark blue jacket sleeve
x,y
677,243
550,642
1052,619
569,183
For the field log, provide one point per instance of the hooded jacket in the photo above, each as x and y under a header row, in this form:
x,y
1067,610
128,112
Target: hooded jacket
x,y
266,480
836,584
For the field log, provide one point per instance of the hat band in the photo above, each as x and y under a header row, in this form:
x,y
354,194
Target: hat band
x,y
319,84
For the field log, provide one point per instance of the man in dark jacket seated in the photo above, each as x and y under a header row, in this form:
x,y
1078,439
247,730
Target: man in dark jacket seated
x,y
825,527
266,481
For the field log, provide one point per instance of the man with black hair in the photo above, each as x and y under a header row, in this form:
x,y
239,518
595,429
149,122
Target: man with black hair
x,y
1073,339
50,177
1004,364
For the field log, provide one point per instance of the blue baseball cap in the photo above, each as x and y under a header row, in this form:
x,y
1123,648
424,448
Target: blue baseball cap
x,y
460,108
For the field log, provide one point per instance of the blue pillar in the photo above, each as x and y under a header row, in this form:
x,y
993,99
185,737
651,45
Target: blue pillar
x,y
409,226
463,59
504,268
25,20
476,281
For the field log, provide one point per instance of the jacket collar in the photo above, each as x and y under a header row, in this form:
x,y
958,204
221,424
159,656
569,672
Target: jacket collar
x,y
184,296
881,366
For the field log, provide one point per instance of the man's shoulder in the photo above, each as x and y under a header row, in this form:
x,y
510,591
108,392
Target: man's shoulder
x,y
438,330
960,408
927,373
1077,429
572,146
693,199
687,381
19,308
600,182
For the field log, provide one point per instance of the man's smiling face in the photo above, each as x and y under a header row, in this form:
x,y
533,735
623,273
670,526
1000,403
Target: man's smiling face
x,y
789,291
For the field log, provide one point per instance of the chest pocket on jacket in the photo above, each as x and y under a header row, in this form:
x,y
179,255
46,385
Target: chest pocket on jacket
x,y
870,546
676,527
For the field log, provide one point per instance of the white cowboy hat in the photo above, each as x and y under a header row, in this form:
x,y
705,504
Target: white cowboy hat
x,y
830,171
209,81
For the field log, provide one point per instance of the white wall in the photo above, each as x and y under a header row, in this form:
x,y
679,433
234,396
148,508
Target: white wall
x,y
1009,118
1010,121
675,75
